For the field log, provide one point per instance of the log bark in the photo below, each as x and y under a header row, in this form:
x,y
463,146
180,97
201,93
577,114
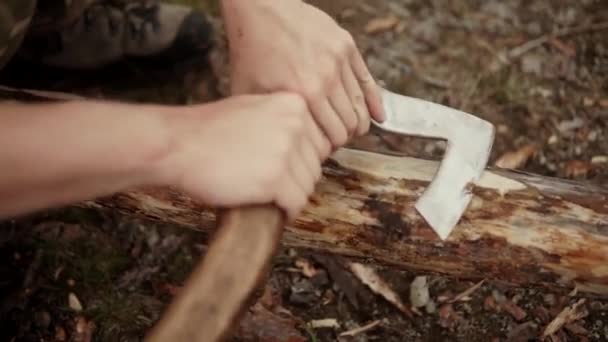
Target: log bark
x,y
520,228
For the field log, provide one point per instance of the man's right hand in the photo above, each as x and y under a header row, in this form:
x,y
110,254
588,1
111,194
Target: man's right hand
x,y
248,149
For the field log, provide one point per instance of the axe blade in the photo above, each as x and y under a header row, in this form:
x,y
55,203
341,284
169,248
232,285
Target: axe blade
x,y
469,143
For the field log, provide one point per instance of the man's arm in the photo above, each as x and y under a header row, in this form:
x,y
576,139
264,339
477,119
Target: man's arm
x,y
58,153
242,150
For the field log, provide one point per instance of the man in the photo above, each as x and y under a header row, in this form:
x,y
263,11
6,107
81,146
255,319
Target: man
x,y
300,90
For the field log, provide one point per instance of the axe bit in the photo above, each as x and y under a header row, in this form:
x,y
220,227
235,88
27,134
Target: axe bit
x,y
469,143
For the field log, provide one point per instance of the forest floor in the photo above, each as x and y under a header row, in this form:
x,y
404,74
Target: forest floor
x,y
539,72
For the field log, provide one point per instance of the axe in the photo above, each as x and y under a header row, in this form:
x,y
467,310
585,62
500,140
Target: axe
x,y
239,256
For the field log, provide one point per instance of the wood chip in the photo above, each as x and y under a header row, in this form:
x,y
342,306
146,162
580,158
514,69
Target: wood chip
x,y
369,277
324,323
568,315
466,293
518,158
599,160
306,267
359,330
382,24
74,302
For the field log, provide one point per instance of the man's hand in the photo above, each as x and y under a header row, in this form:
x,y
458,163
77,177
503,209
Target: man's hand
x,y
290,45
247,149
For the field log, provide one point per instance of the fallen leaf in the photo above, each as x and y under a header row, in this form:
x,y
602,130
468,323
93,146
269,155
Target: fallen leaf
x,y
518,158
369,277
419,292
447,316
60,334
261,324
576,329
466,293
74,302
84,330
381,24
490,304
359,330
568,315
324,323
514,310
577,168
306,267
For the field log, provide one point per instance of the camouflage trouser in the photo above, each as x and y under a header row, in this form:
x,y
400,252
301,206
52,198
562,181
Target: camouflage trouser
x,y
18,17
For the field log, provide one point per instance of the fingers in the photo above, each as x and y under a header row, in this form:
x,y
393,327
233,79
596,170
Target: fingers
x,y
357,99
342,104
370,89
329,121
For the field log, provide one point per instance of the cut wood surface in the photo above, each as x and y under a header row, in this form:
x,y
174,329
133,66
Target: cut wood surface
x,y
520,228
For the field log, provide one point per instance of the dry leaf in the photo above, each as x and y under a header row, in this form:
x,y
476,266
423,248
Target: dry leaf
x,y
568,315
73,302
577,168
60,334
514,310
518,158
359,330
370,278
382,24
306,267
261,324
419,292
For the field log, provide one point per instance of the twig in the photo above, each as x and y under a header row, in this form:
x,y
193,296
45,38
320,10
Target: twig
x,y
359,330
466,292
522,49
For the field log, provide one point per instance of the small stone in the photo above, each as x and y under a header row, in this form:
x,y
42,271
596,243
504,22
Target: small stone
x,y
431,307
553,140
419,292
588,102
74,302
502,129
71,282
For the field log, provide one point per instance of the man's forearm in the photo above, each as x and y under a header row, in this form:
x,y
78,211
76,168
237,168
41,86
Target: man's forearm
x,y
55,154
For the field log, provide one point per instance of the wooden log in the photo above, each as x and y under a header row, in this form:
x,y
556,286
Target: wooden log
x,y
520,228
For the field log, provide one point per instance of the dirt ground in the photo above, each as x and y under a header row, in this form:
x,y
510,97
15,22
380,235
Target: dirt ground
x,y
536,69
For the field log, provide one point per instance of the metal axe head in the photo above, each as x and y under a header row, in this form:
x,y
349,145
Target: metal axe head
x,y
469,143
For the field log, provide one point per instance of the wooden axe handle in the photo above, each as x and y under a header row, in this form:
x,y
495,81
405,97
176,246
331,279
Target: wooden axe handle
x,y
216,294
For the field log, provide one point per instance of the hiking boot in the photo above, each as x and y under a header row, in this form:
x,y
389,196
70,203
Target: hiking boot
x,y
110,31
